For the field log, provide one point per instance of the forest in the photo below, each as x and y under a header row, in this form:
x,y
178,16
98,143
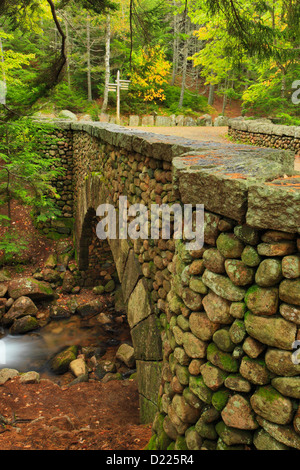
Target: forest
x,y
179,55
136,343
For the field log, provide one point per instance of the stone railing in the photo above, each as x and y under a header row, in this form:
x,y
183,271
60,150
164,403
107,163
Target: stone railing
x,y
264,133
214,329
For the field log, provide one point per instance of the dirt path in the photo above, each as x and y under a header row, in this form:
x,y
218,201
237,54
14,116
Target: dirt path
x,y
203,134
211,134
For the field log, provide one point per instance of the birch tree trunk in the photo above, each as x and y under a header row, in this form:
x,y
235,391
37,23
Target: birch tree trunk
x,y
88,47
185,56
107,63
175,45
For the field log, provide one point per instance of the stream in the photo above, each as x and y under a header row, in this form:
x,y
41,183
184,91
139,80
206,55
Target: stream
x,y
34,350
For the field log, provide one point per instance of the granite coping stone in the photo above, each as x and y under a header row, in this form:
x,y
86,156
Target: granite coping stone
x,y
264,126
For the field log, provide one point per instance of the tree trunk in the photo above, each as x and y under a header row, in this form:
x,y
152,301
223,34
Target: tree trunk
x,y
88,47
185,56
67,53
211,95
175,46
107,64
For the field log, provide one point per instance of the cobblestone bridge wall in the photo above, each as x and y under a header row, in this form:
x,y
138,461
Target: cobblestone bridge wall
x,y
214,330
264,133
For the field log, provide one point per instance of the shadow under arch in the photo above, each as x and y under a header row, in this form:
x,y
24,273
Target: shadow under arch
x,y
141,317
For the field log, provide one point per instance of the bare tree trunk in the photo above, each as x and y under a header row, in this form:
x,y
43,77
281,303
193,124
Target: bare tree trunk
x,y
225,96
211,95
175,45
107,63
185,56
88,47
67,53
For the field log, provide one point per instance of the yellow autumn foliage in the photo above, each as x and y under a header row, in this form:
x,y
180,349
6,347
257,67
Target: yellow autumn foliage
x,y
150,72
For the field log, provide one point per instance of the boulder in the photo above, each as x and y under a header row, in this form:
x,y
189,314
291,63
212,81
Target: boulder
x,y
78,367
66,114
90,309
7,374
221,121
30,287
61,362
24,325
205,120
21,307
125,354
3,290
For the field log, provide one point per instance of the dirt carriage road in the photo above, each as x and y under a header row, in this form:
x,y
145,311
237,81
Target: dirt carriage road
x,y
210,134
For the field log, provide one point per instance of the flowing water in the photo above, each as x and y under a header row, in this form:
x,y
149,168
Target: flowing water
x,y
33,351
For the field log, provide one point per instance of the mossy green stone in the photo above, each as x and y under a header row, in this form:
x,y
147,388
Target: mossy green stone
x,y
229,245
163,441
206,430
182,374
221,359
231,436
269,273
250,256
198,387
223,286
197,285
220,399
193,439
152,444
289,291
237,331
223,341
273,331
262,300
60,363
247,234
180,443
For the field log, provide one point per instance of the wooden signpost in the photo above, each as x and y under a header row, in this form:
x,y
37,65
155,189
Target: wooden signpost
x,y
116,88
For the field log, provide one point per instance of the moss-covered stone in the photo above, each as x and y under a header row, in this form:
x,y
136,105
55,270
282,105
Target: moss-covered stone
x,y
262,300
193,439
238,272
247,234
229,245
198,387
60,363
220,399
231,436
273,331
223,286
24,325
206,430
222,359
250,256
255,371
180,443
269,273
289,291
268,403
237,331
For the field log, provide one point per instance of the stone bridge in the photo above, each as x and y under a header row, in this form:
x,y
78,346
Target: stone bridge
x,y
213,329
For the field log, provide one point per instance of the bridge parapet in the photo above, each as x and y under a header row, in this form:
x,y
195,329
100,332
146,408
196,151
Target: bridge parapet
x,y
214,329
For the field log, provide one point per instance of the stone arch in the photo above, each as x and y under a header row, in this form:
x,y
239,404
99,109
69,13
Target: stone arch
x,y
142,320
